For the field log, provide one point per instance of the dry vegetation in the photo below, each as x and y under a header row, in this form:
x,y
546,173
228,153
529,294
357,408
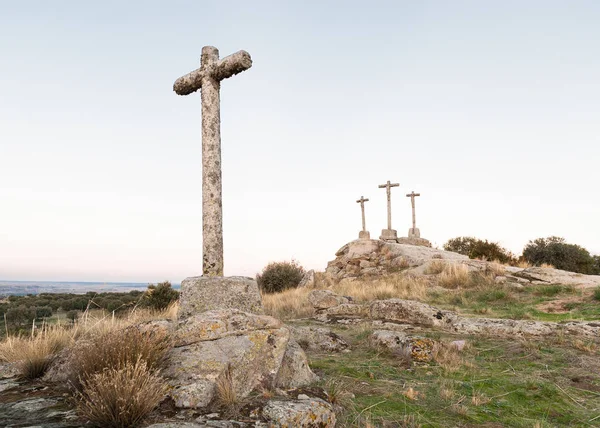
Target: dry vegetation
x,y
115,367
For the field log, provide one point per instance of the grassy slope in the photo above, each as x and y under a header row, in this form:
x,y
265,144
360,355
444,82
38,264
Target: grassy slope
x,y
508,383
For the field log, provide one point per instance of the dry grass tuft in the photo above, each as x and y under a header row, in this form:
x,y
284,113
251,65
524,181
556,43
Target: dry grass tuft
x,y
435,267
393,286
523,264
411,394
448,357
226,398
116,349
496,268
289,304
478,399
120,397
33,355
337,393
447,391
547,266
585,346
454,276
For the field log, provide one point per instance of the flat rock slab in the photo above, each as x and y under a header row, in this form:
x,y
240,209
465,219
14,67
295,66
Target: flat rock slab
x,y
313,413
206,293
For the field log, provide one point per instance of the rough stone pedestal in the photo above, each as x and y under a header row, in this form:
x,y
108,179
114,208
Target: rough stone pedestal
x,y
414,232
389,235
411,240
208,293
364,234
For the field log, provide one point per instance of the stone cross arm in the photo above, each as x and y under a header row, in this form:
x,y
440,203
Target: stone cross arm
x,y
412,195
218,70
362,200
388,185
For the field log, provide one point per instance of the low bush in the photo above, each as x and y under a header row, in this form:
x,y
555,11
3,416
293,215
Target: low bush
x,y
557,252
120,397
597,293
279,276
480,249
159,296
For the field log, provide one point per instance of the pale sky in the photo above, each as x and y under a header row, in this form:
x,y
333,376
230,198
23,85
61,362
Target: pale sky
x,y
489,109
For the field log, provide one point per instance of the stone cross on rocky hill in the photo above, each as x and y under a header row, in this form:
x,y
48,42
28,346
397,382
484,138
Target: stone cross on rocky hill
x,y
389,234
413,232
363,234
208,77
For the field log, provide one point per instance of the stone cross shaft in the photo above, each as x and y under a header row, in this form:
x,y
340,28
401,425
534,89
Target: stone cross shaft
x,y
208,78
388,186
412,196
362,201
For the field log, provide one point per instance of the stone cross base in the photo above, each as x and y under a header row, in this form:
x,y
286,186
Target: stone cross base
x,y
364,234
414,232
207,293
389,235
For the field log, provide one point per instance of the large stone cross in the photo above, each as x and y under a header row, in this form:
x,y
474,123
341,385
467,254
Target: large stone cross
x,y
208,78
363,234
388,186
413,232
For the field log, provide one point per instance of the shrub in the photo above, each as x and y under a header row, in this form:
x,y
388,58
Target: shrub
x,y
115,349
120,396
597,293
479,249
555,251
160,296
279,276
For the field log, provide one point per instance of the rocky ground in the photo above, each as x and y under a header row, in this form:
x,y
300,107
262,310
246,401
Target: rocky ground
x,y
392,335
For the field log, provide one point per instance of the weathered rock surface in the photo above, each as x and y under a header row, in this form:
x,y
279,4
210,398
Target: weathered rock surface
x,y
247,347
318,339
308,280
38,412
314,413
323,299
419,349
424,315
537,275
410,311
294,371
202,293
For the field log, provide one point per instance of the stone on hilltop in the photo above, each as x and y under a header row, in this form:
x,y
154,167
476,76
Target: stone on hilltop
x,y
206,293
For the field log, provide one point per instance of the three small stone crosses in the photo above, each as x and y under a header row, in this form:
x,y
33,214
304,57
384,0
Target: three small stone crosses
x,y
390,234
208,78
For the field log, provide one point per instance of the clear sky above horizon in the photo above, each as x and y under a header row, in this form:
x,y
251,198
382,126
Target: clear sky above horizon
x,y
489,109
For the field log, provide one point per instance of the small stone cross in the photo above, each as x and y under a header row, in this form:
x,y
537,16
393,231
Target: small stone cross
x,y
208,77
388,187
412,196
362,201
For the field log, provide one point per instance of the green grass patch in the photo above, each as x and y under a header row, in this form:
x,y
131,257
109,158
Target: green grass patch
x,y
515,383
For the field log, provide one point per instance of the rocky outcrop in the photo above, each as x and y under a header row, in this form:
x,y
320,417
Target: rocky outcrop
x,y
318,339
246,348
420,314
371,257
308,280
311,413
324,299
